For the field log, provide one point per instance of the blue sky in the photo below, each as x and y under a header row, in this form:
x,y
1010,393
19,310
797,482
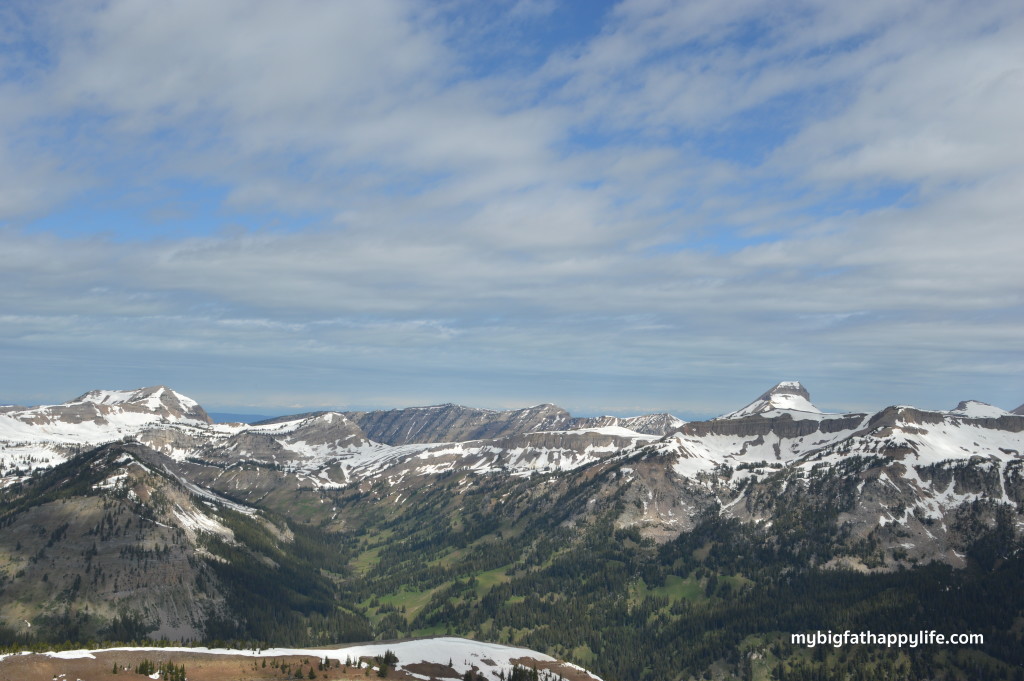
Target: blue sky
x,y
618,207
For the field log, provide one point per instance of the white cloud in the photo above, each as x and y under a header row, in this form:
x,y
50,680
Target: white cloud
x,y
581,219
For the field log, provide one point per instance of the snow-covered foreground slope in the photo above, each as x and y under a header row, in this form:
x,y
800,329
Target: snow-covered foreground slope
x,y
461,654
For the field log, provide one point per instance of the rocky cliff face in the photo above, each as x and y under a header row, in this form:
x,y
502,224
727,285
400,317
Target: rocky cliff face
x,y
455,423
648,424
783,425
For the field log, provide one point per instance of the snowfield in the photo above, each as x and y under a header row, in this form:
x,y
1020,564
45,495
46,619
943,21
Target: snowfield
x,y
464,654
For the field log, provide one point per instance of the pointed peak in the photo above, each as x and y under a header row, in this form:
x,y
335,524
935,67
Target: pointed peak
x,y
786,396
788,388
1019,410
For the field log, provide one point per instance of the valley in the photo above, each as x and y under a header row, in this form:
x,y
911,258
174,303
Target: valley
x,y
639,548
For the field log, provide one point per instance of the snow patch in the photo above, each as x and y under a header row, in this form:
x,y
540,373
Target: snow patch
x,y
488,658
978,410
194,522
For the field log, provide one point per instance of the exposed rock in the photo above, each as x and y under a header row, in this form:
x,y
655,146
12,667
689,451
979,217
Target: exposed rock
x,y
648,424
783,425
455,423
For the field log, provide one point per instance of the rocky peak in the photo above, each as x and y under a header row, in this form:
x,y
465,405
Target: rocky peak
x,y
116,408
787,395
158,400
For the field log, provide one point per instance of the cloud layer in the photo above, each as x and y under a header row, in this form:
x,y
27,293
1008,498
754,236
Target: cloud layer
x,y
645,205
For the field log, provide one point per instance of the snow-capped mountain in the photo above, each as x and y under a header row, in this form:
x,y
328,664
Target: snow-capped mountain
x,y
904,463
976,409
327,448
222,530
43,436
158,400
902,479
105,409
785,396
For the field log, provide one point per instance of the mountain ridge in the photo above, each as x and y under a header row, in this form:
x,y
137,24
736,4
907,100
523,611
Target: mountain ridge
x,y
327,450
305,529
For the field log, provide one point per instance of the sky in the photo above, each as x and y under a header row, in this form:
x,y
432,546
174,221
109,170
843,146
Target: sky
x,y
617,207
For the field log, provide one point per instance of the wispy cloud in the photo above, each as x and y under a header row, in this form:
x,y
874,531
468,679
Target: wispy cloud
x,y
387,199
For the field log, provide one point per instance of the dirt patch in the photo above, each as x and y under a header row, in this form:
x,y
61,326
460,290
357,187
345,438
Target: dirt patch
x,y
198,667
201,666
433,669
566,671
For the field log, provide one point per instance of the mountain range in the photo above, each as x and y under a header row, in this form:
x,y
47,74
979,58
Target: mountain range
x,y
129,514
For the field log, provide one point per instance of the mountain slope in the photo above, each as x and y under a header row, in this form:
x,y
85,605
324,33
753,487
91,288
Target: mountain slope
x,y
455,423
643,555
103,542
898,461
116,543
